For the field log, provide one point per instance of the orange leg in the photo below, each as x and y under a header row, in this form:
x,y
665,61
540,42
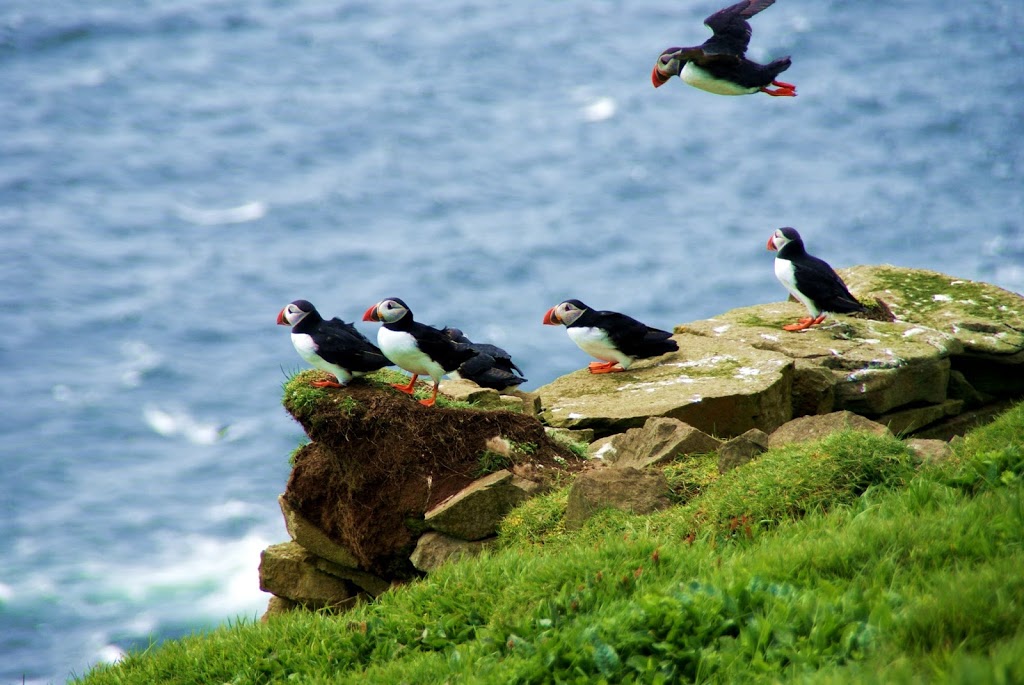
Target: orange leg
x,y
780,93
606,367
805,322
326,384
600,367
407,389
433,398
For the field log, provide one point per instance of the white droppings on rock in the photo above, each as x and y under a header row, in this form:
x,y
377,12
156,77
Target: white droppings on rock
x,y
574,416
942,298
769,336
604,450
871,341
912,332
746,372
721,329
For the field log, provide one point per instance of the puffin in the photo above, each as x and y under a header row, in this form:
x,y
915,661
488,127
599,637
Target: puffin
x,y
420,349
718,65
492,367
331,345
810,280
618,340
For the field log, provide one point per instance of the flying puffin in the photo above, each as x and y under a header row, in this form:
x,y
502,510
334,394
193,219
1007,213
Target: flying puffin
x,y
492,367
811,280
615,338
333,345
419,349
718,65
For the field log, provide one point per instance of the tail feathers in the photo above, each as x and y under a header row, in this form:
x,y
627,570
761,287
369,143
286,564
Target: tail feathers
x,y
657,342
846,306
778,66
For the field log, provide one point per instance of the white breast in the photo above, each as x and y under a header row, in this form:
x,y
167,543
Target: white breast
x,y
787,276
698,78
400,347
595,342
306,348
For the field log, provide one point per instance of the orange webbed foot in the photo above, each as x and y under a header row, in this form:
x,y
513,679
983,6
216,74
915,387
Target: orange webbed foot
x,y
407,389
326,384
429,402
612,368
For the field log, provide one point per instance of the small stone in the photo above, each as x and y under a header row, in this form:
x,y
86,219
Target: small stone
x,y
808,428
742,449
474,512
434,549
930,450
314,539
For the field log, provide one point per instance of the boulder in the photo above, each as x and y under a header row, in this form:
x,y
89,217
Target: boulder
x,y
474,512
716,386
434,549
869,367
986,321
658,441
742,449
289,570
907,421
626,489
930,450
807,428
277,606
372,585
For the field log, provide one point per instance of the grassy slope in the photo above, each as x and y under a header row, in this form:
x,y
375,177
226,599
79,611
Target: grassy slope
x,y
835,562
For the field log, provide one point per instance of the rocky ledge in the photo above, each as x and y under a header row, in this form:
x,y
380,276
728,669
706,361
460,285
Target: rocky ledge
x,y
387,490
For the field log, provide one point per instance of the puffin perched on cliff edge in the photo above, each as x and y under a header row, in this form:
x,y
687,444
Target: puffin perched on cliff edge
x,y
331,345
420,349
618,340
719,64
492,367
810,280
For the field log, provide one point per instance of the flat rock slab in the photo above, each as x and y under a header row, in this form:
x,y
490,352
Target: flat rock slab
x,y
717,386
869,367
984,318
623,488
435,549
289,570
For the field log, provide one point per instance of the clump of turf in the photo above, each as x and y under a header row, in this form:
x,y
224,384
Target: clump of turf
x,y
378,459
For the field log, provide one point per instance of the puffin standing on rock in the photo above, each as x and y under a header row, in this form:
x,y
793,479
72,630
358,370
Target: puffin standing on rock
x,y
333,346
492,367
719,65
615,338
810,280
419,349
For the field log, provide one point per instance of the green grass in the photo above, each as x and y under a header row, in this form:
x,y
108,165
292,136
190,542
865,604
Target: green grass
x,y
835,562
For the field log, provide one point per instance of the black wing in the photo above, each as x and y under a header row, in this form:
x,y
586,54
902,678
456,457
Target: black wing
x,y
491,372
439,347
340,343
819,281
627,334
730,28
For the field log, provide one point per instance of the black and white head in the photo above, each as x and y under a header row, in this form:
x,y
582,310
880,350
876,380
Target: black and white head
x,y
387,311
669,64
782,237
565,313
295,312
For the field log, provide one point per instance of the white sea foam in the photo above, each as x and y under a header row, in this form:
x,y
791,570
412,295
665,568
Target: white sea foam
x,y
250,211
180,423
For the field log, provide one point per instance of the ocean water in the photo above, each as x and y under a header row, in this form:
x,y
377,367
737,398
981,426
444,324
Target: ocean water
x,y
173,172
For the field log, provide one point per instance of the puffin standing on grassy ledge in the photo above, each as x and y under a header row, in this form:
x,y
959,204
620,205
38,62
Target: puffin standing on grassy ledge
x,y
719,65
333,346
419,349
615,338
492,367
810,280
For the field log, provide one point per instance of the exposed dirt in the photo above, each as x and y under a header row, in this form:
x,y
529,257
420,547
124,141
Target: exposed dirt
x,y
379,460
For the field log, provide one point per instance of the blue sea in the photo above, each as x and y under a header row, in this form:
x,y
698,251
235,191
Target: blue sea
x,y
173,172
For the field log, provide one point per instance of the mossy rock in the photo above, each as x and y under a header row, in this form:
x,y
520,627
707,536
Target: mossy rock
x,y
716,386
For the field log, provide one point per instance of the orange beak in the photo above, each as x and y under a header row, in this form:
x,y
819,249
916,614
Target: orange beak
x,y
550,319
771,243
280,318
371,314
657,79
